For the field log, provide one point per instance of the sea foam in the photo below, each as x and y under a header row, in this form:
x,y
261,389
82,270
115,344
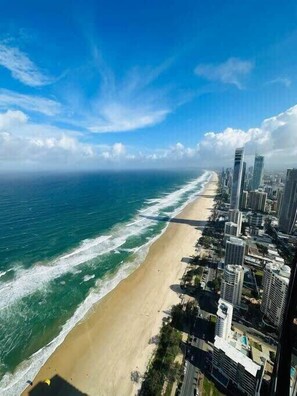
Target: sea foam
x,y
28,281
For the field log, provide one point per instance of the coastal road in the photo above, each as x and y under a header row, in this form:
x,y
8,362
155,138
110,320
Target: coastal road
x,y
195,356
188,383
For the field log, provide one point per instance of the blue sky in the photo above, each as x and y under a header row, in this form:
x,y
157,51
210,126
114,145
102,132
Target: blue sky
x,y
151,83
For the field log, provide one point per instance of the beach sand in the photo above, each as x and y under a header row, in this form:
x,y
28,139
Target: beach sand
x,y
99,354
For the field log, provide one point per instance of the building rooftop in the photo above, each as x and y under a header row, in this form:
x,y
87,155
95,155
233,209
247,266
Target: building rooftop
x,y
236,241
237,356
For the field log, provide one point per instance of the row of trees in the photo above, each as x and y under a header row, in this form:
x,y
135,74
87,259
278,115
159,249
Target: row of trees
x,y
163,368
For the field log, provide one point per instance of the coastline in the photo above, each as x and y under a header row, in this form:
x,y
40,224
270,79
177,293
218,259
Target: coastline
x,y
100,353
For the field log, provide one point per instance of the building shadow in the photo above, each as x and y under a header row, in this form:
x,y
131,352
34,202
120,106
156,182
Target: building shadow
x,y
177,289
199,224
187,260
58,387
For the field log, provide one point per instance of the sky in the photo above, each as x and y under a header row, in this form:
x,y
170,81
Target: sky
x,y
140,84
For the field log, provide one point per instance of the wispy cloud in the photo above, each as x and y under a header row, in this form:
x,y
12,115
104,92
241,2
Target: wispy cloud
x,y
230,72
115,117
22,68
130,103
280,80
30,103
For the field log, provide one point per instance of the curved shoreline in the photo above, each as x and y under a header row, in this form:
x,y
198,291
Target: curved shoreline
x,y
113,339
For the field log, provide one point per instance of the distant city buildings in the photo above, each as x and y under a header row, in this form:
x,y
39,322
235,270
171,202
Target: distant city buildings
x,y
258,171
287,217
231,286
224,319
275,288
237,177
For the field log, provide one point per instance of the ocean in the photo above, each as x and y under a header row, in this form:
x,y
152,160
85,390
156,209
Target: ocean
x,y
65,241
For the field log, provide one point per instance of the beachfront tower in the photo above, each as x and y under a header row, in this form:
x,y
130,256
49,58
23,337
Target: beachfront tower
x,y
224,319
258,171
231,287
288,208
237,177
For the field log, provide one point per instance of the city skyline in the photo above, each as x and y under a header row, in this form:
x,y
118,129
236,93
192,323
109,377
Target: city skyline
x,y
95,98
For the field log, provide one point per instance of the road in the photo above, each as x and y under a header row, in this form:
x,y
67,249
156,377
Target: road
x,y
195,355
188,384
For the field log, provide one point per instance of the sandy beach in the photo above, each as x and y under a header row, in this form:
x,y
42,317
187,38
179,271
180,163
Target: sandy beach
x,y
98,355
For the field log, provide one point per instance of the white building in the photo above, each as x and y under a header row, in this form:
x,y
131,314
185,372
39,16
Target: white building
x,y
224,319
235,216
231,286
235,251
231,364
275,288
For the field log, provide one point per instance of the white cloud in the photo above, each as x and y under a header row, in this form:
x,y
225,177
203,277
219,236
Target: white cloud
x,y
44,146
129,103
230,72
280,80
115,117
33,103
12,119
22,68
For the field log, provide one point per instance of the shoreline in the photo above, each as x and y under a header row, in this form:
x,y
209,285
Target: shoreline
x,y
102,350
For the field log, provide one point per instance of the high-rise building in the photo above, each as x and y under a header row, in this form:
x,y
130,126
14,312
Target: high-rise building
x,y
288,209
224,319
233,366
235,216
255,220
279,197
235,251
231,286
244,199
275,288
258,171
242,186
237,177
231,229
257,200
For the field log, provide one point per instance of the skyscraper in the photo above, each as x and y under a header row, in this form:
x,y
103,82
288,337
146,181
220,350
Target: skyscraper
x,y
235,250
257,200
258,171
288,209
224,319
237,177
242,186
231,286
275,289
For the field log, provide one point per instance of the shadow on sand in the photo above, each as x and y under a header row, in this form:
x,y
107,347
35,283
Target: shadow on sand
x,y
57,387
200,224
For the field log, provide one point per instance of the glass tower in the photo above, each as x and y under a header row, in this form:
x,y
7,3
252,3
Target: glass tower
x,y
237,177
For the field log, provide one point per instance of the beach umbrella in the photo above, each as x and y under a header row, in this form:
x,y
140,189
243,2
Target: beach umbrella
x,y
47,381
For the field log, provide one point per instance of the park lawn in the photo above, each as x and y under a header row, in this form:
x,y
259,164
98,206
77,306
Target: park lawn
x,y
209,388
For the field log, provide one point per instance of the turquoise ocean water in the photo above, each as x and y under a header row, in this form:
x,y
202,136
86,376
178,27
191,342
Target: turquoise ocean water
x,y
65,241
